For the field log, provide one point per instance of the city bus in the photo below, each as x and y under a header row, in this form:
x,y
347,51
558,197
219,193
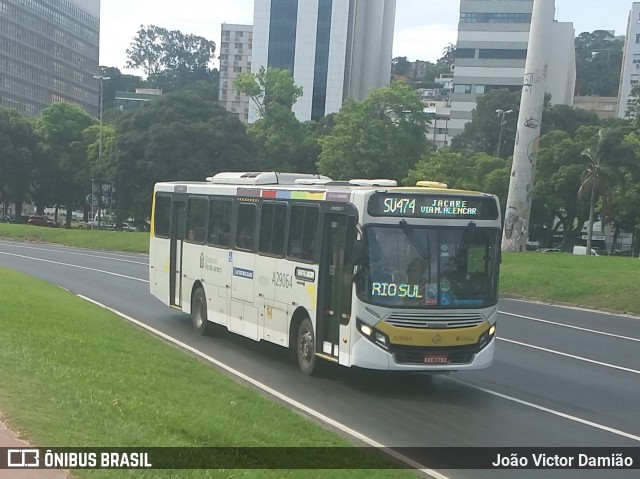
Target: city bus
x,y
360,273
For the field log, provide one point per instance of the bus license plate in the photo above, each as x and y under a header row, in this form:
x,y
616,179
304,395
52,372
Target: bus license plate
x,y
436,359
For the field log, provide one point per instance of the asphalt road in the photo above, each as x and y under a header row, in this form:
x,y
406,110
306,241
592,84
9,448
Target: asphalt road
x,y
562,377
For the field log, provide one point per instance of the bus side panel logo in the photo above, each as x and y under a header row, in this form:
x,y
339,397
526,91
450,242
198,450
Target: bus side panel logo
x,y
305,274
23,458
243,273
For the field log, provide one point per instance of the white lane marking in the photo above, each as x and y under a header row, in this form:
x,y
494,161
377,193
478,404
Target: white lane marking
x,y
579,358
574,308
570,326
75,266
273,392
602,427
97,254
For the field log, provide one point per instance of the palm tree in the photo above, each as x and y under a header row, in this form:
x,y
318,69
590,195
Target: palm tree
x,y
596,180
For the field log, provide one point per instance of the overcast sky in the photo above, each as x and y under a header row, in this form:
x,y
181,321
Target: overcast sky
x,y
423,27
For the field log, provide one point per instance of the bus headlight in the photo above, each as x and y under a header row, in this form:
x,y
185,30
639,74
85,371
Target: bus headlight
x,y
372,334
365,329
486,337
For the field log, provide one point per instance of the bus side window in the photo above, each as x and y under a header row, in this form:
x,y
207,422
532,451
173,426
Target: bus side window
x,y
162,218
245,231
219,223
196,219
273,222
303,231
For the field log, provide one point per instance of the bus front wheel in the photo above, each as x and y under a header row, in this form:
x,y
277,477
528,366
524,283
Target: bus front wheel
x,y
306,347
199,313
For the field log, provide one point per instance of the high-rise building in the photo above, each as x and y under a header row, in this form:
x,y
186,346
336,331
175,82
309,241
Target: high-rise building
x,y
49,53
491,52
235,58
630,76
335,49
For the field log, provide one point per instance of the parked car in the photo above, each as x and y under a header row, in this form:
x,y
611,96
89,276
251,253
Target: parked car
x,y
39,220
126,227
582,250
550,250
103,225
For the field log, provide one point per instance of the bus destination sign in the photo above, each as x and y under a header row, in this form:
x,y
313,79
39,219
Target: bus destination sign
x,y
433,206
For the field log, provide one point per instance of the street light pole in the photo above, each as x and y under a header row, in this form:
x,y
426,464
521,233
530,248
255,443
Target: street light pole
x,y
102,79
501,115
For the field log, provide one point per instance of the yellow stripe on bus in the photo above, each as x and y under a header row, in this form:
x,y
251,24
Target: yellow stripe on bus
x,y
432,337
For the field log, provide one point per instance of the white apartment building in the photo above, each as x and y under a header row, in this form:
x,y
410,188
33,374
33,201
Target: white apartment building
x,y
235,58
630,75
440,115
334,49
491,52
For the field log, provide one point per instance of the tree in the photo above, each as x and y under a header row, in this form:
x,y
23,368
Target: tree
x,y
612,161
483,131
443,65
557,180
171,59
117,82
281,141
145,51
179,136
63,173
566,118
269,87
598,63
381,136
561,171
594,179
400,66
460,170
446,166
626,196
633,105
18,145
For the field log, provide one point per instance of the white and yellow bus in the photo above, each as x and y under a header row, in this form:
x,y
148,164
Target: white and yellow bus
x,y
361,273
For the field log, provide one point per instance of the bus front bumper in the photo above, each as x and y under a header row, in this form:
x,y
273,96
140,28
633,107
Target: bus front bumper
x,y
367,355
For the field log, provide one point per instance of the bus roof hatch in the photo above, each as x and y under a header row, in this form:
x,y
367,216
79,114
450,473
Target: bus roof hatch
x,y
379,182
263,178
432,184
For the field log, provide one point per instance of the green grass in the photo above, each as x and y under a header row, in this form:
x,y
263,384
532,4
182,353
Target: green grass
x,y
135,242
600,282
74,374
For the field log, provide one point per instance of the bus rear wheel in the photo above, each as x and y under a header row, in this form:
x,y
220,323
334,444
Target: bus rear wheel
x,y
306,347
199,313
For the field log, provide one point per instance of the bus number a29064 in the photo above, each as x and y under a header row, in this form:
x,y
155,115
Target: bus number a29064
x,y
282,280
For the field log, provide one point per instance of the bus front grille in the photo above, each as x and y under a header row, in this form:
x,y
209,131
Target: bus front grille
x,y
417,354
434,321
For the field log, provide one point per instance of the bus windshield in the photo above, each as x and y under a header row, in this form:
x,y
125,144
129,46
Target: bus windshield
x,y
430,267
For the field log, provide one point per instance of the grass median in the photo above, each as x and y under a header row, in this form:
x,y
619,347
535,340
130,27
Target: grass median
x,y
73,374
607,283
133,242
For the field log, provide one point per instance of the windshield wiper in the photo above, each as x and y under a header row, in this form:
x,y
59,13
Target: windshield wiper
x,y
408,231
466,236
414,239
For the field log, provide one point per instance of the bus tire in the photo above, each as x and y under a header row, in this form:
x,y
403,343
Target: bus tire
x,y
306,347
199,313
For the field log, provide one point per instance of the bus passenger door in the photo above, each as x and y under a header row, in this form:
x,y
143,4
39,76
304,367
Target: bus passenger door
x,y
335,286
178,223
